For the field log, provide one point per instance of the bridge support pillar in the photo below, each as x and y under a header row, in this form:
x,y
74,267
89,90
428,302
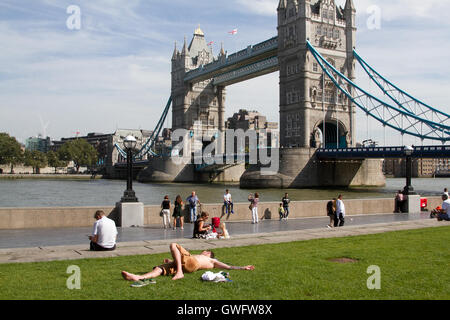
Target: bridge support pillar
x,y
299,168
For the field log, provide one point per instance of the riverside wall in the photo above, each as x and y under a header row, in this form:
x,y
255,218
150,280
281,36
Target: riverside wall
x,y
67,217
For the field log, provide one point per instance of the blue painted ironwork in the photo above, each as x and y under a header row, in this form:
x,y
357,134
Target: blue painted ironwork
x,y
147,147
254,68
404,100
397,119
218,66
431,152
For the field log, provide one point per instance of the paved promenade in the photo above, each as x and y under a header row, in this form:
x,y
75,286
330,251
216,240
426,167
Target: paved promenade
x,y
69,244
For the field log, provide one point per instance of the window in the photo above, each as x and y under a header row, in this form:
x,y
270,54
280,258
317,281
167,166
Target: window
x,y
331,14
291,12
315,67
337,34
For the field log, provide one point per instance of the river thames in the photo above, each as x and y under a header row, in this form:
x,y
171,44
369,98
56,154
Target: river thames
x,y
68,193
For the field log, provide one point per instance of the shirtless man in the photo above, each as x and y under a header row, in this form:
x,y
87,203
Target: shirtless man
x,y
183,262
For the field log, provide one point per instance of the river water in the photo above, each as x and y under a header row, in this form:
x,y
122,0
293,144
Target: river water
x,y
68,193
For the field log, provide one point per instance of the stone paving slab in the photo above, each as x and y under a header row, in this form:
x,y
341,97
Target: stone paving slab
x,y
38,254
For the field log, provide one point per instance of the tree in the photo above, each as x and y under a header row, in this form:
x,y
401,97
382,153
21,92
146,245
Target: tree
x,y
10,150
80,152
54,160
35,159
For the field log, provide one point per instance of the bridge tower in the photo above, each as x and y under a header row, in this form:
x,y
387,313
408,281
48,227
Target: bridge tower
x,y
312,111
199,106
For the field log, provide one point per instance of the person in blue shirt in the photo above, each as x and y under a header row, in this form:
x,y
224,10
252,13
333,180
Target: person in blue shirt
x,y
192,201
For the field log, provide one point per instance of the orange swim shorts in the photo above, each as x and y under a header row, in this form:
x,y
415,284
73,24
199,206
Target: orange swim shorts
x,y
188,262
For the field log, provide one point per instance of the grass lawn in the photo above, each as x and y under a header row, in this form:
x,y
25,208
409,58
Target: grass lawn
x,y
414,265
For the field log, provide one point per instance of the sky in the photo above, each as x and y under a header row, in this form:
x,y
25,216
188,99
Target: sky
x,y
114,70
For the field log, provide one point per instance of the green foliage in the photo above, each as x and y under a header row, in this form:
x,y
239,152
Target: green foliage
x,y
10,150
413,263
80,152
35,159
54,160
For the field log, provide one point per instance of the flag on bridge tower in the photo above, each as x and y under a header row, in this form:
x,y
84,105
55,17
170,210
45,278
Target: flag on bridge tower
x,y
233,32
210,43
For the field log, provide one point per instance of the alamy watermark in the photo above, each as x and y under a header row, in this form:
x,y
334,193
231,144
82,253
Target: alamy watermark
x,y
201,147
374,281
374,20
73,22
74,281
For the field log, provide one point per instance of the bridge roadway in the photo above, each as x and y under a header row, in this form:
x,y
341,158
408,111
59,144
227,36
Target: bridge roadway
x,y
431,152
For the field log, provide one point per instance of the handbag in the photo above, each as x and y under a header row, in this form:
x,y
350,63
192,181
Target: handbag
x,y
161,213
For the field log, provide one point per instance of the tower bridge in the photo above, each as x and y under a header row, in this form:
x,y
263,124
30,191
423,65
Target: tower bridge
x,y
314,53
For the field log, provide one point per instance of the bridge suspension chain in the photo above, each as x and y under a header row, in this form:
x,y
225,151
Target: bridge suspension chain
x,y
403,99
147,147
399,119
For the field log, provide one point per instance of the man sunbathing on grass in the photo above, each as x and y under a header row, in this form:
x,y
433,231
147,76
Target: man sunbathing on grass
x,y
183,262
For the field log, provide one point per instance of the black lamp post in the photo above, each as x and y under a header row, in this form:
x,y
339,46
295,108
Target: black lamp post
x,y
408,190
129,195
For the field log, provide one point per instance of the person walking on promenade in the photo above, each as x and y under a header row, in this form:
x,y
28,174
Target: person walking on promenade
x,y
286,202
184,262
228,202
340,212
331,212
165,205
178,212
254,200
104,235
281,211
192,201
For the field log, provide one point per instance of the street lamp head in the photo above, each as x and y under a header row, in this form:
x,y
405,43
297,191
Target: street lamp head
x,y
408,150
130,142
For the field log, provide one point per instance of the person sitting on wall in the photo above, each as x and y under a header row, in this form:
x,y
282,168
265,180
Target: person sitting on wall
x,y
444,213
104,235
399,201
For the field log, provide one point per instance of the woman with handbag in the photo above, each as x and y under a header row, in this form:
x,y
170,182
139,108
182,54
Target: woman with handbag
x,y
178,212
254,200
165,212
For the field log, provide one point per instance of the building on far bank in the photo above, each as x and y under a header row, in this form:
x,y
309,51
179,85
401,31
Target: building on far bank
x,y
38,144
422,168
267,132
108,155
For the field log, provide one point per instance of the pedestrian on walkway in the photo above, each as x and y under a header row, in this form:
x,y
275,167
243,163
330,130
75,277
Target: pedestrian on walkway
x,y
286,202
228,202
331,212
165,212
281,211
192,202
444,212
178,212
254,200
399,201
340,212
104,235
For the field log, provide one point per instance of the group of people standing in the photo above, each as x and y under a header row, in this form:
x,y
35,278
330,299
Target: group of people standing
x,y
336,212
192,202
